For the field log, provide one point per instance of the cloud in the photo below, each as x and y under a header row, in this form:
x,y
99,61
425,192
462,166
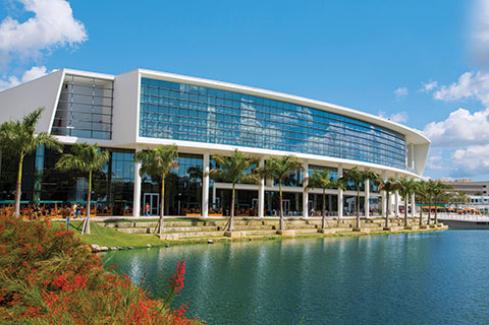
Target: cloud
x,y
401,92
460,128
473,160
52,25
400,117
429,86
31,74
480,31
469,85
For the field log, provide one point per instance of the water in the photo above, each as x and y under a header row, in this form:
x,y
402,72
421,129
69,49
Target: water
x,y
431,278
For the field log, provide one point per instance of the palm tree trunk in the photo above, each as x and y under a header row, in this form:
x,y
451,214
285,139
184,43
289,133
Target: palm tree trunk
x,y
281,211
436,212
162,207
357,203
421,216
406,210
323,223
231,217
18,189
429,211
86,222
387,209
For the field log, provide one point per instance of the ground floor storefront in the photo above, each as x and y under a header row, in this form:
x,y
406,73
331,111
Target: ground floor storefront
x,y
120,190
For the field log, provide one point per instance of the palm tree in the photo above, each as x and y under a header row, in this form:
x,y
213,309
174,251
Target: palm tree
x,y
18,138
439,191
390,185
157,163
86,158
421,191
279,168
321,179
359,177
407,187
233,169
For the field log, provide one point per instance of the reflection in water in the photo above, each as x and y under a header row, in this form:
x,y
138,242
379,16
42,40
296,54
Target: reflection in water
x,y
431,278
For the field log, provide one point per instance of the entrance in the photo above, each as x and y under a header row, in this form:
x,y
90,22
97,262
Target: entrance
x,y
153,200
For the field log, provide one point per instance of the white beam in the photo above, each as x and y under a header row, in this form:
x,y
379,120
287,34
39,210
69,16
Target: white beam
x,y
136,200
205,186
305,193
261,193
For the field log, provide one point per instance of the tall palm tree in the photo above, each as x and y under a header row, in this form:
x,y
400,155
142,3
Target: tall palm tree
x,y
157,163
390,185
359,177
421,191
439,191
18,139
431,190
279,168
321,179
233,169
407,187
86,158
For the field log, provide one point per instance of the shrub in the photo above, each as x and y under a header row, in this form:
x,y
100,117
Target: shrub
x,y
47,276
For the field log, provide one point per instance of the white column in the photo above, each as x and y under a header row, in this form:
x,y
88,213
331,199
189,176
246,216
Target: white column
x,y
340,195
367,198
205,186
261,193
413,205
136,199
305,193
396,203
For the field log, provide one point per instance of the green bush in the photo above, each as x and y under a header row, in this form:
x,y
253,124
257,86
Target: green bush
x,y
48,276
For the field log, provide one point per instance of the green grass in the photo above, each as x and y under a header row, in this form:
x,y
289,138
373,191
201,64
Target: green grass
x,y
109,237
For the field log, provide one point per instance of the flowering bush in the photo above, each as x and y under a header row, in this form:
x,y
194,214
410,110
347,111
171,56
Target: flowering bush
x,y
48,276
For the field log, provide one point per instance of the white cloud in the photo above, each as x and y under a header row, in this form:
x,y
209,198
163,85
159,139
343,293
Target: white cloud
x,y
469,85
480,30
401,92
52,25
400,117
460,128
33,73
473,160
429,86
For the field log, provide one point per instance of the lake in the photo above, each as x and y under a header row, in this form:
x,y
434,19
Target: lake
x,y
429,278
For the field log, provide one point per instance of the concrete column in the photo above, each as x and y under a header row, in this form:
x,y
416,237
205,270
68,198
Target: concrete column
x,y
261,193
396,203
305,193
340,195
413,205
136,199
367,198
205,186
383,195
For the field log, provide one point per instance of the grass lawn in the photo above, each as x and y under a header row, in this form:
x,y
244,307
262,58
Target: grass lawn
x,y
109,237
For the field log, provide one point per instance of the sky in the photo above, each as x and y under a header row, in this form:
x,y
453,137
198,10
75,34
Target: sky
x,y
421,63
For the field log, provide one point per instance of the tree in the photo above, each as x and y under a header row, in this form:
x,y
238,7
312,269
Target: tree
x,y
279,168
406,188
157,163
321,179
422,194
439,192
233,169
388,186
18,139
86,158
359,177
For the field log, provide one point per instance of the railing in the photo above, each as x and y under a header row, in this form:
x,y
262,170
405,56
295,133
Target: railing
x,y
463,217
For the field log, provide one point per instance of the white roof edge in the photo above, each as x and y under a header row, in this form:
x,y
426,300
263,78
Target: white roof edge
x,y
89,74
407,131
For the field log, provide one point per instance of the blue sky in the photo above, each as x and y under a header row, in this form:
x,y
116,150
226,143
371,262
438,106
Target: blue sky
x,y
376,56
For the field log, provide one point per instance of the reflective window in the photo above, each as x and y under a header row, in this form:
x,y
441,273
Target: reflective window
x,y
85,108
186,112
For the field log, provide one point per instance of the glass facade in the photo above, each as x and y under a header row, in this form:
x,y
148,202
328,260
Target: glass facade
x,y
181,111
84,108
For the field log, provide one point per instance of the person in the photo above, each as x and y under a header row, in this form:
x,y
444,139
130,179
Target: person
x,y
66,215
147,209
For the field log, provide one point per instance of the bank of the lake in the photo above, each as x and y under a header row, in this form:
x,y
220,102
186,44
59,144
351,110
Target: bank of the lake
x,y
425,278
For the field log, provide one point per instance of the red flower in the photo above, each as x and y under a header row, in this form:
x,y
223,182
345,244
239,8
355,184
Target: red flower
x,y
177,280
60,281
63,233
80,281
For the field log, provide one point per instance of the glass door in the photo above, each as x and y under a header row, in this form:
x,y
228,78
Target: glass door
x,y
151,204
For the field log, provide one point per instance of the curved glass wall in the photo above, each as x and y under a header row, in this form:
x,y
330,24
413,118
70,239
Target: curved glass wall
x,y
181,111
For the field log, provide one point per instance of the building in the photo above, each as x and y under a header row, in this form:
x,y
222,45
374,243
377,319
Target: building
x,y
469,187
143,108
